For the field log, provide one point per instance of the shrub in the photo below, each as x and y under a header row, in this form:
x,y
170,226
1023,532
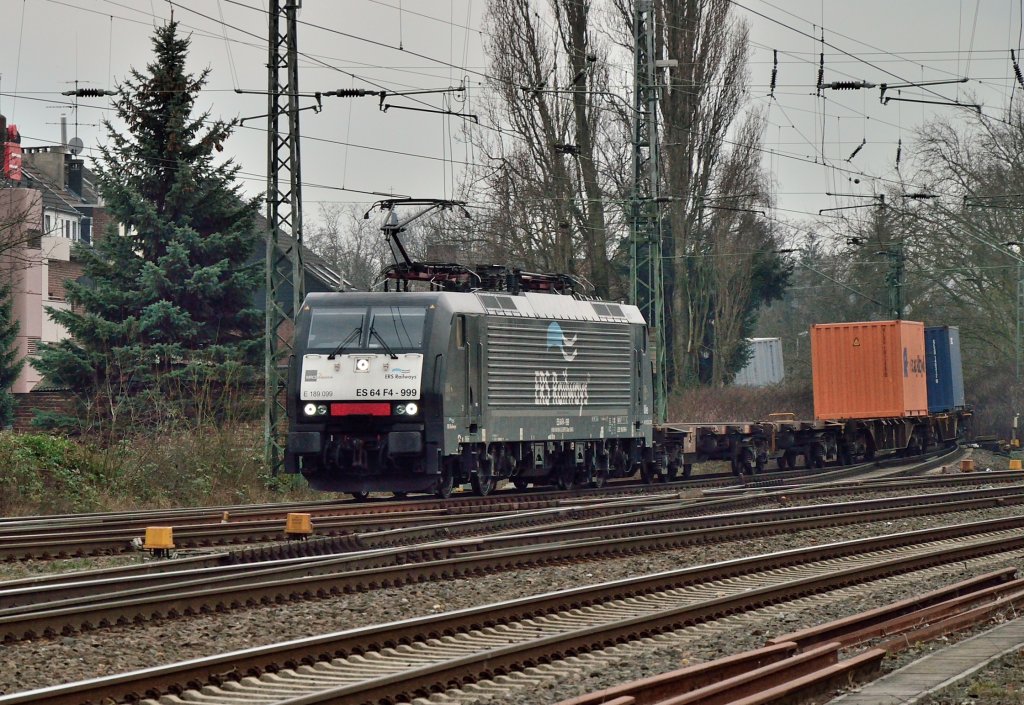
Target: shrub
x,y
46,474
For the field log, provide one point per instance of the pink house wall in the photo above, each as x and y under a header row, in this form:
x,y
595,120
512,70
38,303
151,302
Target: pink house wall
x,y
21,213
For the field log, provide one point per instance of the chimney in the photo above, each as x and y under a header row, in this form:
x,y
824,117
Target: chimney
x,y
75,176
64,132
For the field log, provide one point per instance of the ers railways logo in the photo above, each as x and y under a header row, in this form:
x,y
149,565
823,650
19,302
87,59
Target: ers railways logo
x,y
554,388
557,339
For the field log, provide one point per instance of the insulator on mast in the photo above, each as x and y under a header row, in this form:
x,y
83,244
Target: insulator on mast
x,y
1016,69
859,147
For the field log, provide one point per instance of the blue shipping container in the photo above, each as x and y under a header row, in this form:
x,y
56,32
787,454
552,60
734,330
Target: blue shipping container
x,y
945,368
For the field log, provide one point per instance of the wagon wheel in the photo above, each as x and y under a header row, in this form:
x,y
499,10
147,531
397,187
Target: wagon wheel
x,y
520,484
599,471
360,496
746,461
782,461
864,440
649,471
673,471
736,466
816,457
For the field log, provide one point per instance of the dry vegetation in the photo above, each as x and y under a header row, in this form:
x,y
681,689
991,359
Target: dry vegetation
x,y
217,465
716,404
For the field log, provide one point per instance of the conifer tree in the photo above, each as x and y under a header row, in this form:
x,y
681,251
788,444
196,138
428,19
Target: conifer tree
x,y
10,365
163,318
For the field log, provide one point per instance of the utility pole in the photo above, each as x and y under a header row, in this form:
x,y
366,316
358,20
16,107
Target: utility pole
x,y
894,278
645,236
284,274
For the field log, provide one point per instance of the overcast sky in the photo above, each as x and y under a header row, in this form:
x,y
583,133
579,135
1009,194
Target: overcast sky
x,y
351,147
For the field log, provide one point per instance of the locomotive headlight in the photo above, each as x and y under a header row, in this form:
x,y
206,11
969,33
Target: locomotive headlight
x,y
310,409
405,409
362,364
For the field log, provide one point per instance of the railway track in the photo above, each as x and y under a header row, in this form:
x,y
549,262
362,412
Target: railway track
x,y
58,537
34,608
427,654
804,664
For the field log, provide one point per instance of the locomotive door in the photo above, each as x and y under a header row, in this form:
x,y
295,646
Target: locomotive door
x,y
474,371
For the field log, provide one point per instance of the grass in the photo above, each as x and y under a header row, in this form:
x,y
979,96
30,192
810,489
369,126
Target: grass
x,y
215,465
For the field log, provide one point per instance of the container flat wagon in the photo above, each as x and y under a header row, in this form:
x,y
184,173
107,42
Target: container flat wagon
x,y
878,390
786,442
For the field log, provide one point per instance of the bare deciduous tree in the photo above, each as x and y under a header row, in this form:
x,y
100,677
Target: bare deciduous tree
x,y
546,182
707,92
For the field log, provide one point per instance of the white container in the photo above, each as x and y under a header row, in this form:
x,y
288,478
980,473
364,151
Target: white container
x,y
765,364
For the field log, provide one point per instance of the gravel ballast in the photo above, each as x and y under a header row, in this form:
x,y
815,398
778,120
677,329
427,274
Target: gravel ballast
x,y
30,664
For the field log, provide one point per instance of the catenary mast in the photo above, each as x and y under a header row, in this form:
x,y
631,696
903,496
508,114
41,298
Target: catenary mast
x,y
284,217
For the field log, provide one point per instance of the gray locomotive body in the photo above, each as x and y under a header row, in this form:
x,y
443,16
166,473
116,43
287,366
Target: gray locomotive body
x,y
419,391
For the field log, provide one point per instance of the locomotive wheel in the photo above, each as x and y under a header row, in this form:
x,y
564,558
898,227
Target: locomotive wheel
x,y
687,471
520,484
483,484
360,496
445,484
817,456
782,461
566,476
598,477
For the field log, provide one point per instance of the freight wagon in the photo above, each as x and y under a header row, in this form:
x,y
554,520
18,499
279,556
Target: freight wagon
x,y
876,392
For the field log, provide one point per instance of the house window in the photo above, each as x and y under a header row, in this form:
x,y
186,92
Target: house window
x,y
49,224
67,229
33,345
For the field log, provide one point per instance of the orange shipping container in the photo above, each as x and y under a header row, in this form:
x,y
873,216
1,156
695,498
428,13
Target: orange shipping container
x,y
869,370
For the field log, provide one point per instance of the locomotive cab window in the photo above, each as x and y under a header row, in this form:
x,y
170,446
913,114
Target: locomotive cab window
x,y
397,326
329,327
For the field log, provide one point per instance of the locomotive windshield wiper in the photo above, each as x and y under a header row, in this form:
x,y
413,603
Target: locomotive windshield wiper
x,y
389,351
351,336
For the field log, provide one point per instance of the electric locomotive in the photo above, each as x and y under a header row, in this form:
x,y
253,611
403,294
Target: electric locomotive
x,y
492,373
419,391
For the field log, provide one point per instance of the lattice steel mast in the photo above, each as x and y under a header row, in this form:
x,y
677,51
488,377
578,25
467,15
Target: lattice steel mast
x,y
645,236
284,218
